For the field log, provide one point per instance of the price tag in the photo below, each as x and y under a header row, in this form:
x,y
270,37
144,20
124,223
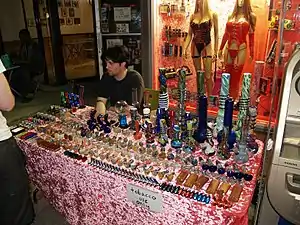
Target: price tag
x,y
144,198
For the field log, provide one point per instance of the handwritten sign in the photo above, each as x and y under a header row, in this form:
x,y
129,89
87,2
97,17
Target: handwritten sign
x,y
144,198
122,14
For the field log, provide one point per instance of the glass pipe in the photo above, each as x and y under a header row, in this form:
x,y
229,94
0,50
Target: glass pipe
x,y
137,134
229,173
133,115
106,120
200,82
220,168
102,124
228,113
237,174
208,149
212,167
200,132
189,142
163,99
134,96
204,165
146,106
182,96
81,96
160,114
209,134
223,96
176,142
171,123
163,137
184,132
252,147
63,100
242,156
223,152
121,110
252,112
149,133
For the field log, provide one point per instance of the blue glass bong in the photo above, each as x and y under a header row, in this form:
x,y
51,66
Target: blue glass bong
x,y
200,132
242,156
176,142
226,137
227,124
121,110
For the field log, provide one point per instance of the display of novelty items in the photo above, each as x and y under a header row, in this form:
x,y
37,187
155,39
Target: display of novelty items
x,y
239,139
161,157
71,100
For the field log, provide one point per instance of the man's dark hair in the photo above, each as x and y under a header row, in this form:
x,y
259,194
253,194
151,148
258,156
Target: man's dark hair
x,y
24,32
117,54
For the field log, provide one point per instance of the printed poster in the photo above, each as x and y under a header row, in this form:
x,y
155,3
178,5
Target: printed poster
x,y
122,14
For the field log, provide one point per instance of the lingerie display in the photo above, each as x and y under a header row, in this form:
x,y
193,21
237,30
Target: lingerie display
x,y
236,33
201,37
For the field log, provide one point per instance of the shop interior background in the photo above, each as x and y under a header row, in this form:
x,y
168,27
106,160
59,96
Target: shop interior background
x,y
77,29
181,21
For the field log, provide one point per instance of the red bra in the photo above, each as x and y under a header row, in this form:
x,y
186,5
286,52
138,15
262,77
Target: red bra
x,y
237,31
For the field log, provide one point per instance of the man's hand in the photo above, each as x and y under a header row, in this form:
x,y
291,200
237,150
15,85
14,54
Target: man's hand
x,y
100,107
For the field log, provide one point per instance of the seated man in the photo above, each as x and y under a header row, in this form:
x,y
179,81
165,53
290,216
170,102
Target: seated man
x,y
30,55
118,82
31,64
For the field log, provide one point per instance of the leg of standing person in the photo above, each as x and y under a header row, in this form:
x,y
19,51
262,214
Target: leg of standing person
x,y
16,207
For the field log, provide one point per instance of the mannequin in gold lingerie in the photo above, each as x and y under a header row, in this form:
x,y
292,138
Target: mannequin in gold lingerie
x,y
199,36
241,23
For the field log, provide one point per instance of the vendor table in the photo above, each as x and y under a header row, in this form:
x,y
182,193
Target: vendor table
x,y
86,195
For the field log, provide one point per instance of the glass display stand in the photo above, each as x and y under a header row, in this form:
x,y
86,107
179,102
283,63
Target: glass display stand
x,y
282,65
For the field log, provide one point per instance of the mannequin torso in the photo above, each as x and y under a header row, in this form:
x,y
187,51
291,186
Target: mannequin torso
x,y
200,38
201,29
238,31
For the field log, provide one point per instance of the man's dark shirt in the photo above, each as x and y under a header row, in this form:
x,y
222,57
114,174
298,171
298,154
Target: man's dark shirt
x,y
31,54
115,90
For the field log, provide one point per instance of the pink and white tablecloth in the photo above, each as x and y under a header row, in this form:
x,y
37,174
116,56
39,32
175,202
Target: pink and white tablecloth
x,y
86,195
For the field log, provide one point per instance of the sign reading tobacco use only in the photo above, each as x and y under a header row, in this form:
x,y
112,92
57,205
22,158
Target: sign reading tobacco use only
x,y
144,198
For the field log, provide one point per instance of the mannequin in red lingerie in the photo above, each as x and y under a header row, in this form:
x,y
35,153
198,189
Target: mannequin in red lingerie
x,y
199,35
241,23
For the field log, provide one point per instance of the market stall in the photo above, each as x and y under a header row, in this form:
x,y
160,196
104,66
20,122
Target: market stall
x,y
161,168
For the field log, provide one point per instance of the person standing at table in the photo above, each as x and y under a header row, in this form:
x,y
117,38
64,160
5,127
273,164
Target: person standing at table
x,y
16,207
118,82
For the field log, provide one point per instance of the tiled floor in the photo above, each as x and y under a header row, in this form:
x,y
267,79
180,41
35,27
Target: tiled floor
x,y
46,214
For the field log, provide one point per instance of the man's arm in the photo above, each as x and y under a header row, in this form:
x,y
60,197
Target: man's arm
x,y
7,99
101,106
103,94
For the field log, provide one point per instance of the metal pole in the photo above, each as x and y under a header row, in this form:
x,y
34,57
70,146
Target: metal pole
x,y
39,32
24,14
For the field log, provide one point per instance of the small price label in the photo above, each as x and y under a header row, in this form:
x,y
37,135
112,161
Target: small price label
x,y
144,198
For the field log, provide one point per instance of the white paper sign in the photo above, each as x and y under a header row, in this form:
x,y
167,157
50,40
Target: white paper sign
x,y
144,198
122,14
122,28
113,42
